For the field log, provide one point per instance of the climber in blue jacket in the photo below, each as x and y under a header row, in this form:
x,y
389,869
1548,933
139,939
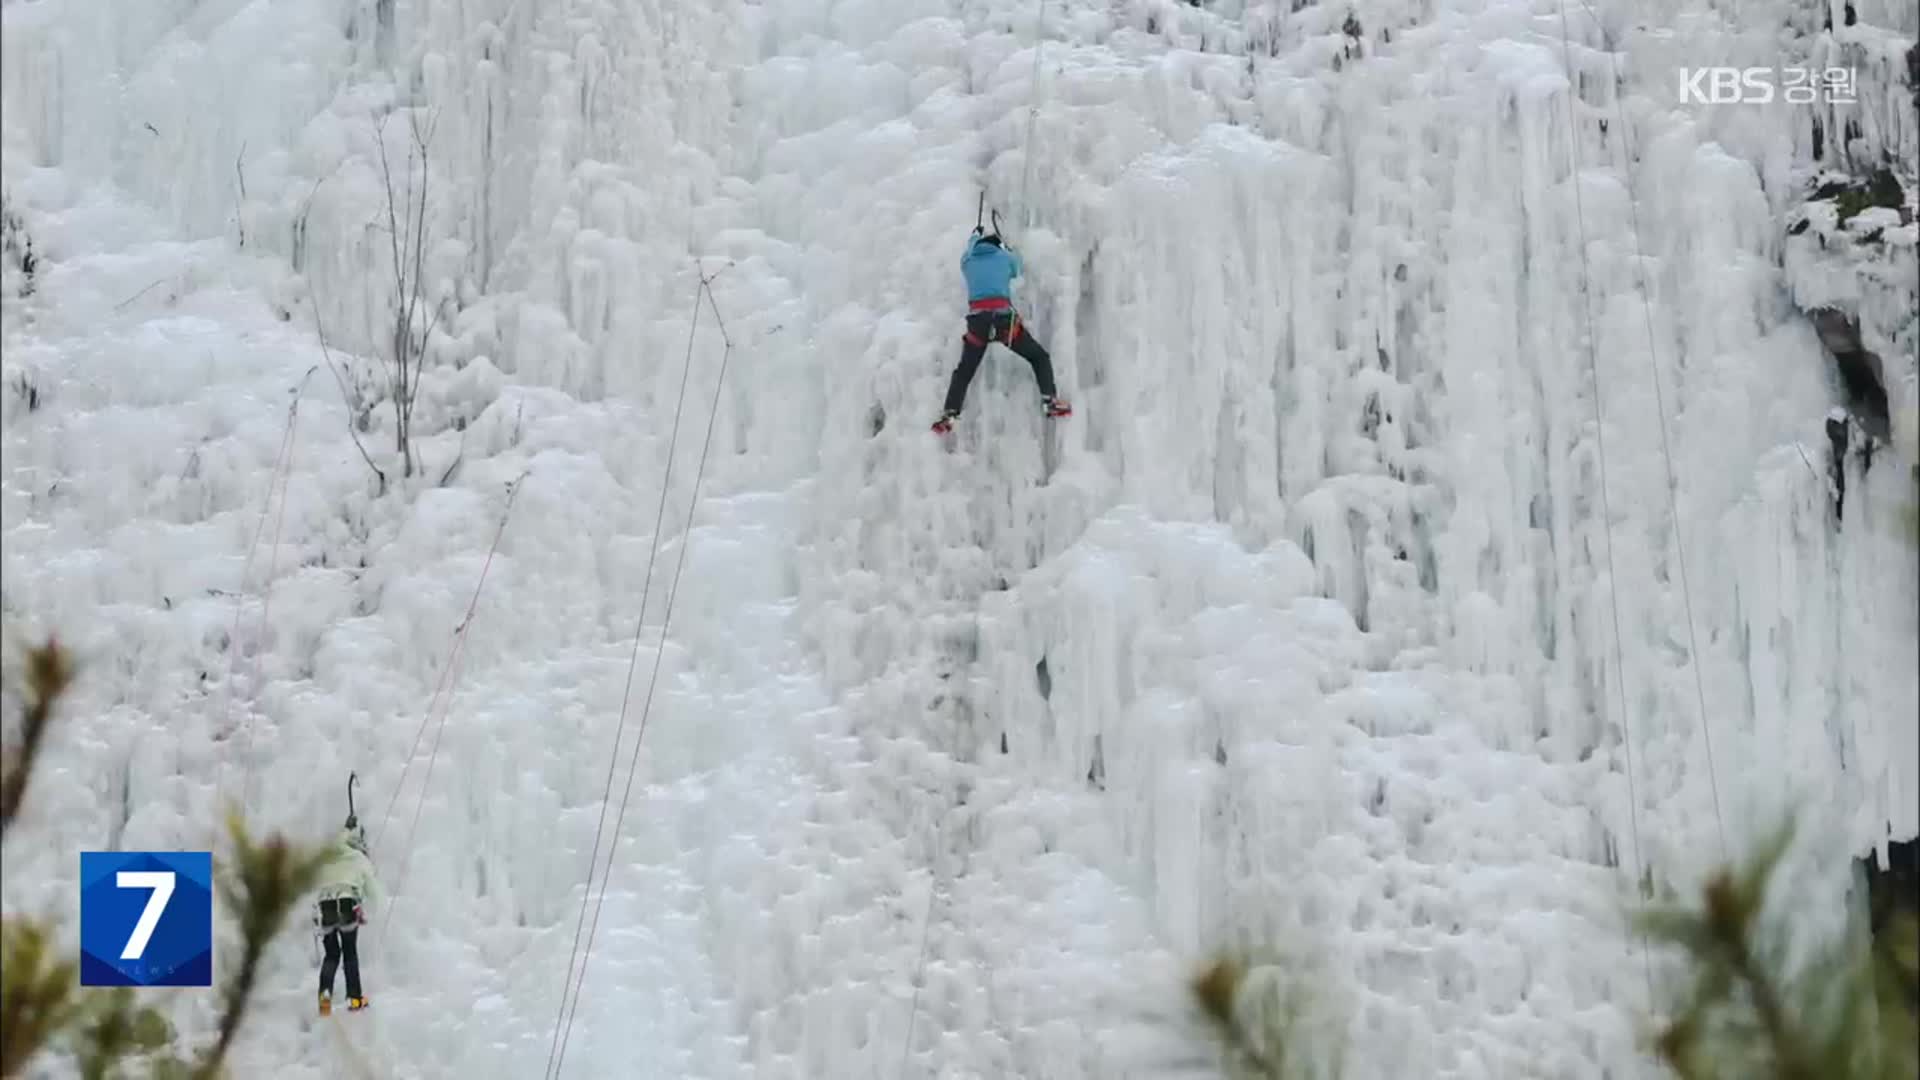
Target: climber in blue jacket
x,y
989,267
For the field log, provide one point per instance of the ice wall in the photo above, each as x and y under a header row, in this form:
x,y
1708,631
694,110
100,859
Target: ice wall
x,y
1418,361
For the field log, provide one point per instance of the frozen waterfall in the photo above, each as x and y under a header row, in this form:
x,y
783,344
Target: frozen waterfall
x,y
1446,539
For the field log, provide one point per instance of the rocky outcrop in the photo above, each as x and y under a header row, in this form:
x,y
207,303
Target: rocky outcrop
x,y
1862,376
1850,260
1913,75
18,263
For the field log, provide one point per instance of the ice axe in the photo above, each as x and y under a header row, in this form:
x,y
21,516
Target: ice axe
x,y
352,818
979,211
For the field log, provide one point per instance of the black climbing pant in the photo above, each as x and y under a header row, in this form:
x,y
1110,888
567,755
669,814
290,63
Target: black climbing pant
x,y
340,922
341,945
984,328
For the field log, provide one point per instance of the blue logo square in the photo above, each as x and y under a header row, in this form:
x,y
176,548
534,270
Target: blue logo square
x,y
146,918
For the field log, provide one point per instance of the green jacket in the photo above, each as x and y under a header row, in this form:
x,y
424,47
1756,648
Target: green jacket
x,y
349,873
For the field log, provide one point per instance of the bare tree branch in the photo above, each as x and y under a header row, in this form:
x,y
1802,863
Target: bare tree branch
x,y
346,395
300,227
418,285
409,332
240,211
386,177
396,380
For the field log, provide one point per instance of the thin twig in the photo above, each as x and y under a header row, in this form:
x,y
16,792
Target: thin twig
x,y
397,385
346,395
138,295
413,289
240,211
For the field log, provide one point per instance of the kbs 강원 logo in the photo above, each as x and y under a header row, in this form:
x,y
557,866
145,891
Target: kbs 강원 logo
x,y
146,918
1760,86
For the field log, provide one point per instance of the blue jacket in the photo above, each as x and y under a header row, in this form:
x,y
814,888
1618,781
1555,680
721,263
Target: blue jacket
x,y
989,270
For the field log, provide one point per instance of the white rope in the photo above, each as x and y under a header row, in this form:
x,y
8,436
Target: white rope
x,y
933,877
563,1023
1606,507
926,934
1672,475
1033,114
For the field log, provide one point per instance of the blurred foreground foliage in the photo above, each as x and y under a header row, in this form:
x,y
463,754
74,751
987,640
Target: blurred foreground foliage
x,y
1269,1019
1747,1010
1743,1007
45,1012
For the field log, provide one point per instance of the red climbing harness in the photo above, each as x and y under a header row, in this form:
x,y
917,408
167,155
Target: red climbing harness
x,y
1007,332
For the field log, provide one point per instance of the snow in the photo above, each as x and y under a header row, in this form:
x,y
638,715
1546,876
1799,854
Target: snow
x,y
1363,607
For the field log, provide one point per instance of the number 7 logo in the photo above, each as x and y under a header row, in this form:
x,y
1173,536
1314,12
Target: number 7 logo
x,y
146,918
161,882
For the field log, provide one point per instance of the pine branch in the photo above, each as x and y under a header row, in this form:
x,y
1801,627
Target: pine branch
x,y
49,674
39,1011
1216,989
1261,1013
113,1027
265,883
1747,1016
36,992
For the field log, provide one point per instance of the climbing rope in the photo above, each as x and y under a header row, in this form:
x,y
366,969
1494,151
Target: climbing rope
x,y
1666,448
1606,509
246,568
926,931
279,480
563,1022
457,639
443,695
1026,215
1033,114
266,607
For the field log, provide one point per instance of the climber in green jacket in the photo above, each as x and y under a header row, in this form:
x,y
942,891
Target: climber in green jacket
x,y
347,886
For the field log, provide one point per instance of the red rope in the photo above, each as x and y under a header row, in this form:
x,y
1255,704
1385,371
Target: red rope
x,y
266,600
563,1024
433,704
449,679
570,988
413,825
246,568
281,463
